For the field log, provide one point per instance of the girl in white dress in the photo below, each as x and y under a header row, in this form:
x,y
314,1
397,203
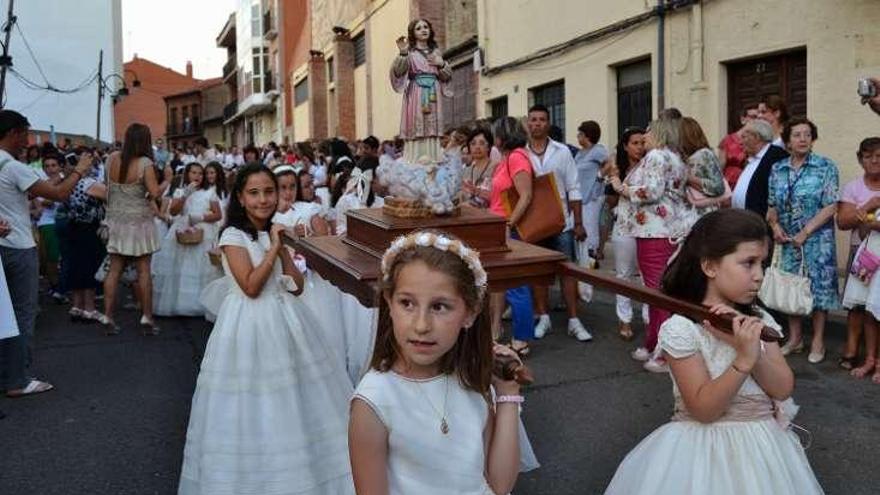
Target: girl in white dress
x,y
728,435
269,412
423,420
181,271
216,179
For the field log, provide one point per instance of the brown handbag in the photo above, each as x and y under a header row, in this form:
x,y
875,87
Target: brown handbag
x,y
544,217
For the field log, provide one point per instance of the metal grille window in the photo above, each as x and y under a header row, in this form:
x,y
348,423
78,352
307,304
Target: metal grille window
x,y
360,49
633,95
301,92
552,96
498,107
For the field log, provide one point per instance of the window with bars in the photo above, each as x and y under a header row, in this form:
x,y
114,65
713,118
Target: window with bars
x,y
301,92
498,107
331,70
552,96
633,95
360,49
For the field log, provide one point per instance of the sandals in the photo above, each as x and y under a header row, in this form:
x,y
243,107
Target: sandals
x,y
32,388
624,331
521,350
110,326
847,362
149,328
76,315
865,369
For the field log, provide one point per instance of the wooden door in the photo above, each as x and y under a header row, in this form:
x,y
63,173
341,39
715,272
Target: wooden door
x,y
752,80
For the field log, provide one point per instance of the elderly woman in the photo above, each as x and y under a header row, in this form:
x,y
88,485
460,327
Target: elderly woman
x,y
514,171
655,213
858,199
802,203
477,181
705,178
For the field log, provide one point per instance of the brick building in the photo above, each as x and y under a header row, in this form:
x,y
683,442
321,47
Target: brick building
x,y
146,104
193,111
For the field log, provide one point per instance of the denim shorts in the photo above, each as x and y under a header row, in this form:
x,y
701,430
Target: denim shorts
x,y
562,242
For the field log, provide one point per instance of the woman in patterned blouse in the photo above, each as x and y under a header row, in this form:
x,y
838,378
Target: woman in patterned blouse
x,y
802,204
705,176
656,214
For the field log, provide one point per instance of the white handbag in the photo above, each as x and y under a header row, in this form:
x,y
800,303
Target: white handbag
x,y
786,292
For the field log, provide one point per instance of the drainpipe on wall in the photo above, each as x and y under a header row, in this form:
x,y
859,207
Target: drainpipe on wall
x,y
661,55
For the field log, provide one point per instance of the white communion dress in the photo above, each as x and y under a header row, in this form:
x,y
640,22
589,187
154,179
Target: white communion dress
x,y
180,272
749,450
270,410
421,458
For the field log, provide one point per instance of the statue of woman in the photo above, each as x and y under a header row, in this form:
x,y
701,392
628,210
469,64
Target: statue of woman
x,y
421,74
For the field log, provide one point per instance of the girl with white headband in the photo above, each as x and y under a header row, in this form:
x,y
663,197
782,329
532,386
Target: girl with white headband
x,y
423,419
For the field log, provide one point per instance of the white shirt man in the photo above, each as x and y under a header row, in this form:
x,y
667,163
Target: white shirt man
x,y
738,200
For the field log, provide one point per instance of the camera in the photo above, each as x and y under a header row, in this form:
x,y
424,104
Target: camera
x,y
867,88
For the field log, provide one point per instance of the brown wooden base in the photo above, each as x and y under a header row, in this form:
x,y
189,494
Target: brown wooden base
x,y
372,230
357,272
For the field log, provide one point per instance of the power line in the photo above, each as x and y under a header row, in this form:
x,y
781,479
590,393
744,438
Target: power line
x,y
31,53
29,84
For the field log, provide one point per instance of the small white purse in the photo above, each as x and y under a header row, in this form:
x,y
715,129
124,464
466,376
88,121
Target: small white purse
x,y
784,291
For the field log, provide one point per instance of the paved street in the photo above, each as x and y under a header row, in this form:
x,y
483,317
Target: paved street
x,y
116,423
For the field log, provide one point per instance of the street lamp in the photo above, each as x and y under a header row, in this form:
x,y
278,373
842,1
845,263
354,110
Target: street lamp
x,y
104,88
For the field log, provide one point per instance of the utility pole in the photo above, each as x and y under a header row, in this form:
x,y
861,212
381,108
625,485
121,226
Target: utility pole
x,y
6,60
100,96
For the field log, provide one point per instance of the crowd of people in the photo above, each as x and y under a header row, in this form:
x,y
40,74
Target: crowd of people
x,y
197,232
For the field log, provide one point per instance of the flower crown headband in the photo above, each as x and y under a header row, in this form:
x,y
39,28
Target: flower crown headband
x,y
443,243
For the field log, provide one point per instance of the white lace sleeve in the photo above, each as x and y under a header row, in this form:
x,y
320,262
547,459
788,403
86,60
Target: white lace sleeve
x,y
679,337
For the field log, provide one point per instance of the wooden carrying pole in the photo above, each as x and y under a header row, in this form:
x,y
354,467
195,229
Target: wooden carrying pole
x,y
655,298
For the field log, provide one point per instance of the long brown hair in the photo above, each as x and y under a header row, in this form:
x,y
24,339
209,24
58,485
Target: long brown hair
x,y
471,356
713,237
138,143
692,137
411,34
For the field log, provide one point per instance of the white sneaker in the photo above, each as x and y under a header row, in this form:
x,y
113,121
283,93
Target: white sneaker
x,y
543,326
576,329
641,354
656,365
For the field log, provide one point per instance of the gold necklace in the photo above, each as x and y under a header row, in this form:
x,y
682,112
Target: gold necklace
x,y
444,426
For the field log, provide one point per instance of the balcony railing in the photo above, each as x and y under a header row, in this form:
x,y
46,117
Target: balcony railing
x,y
269,31
184,128
230,110
229,68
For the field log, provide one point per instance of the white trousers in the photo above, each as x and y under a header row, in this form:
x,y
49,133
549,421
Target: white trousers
x,y
626,267
590,213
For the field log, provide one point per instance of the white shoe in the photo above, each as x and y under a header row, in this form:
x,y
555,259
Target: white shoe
x,y
507,315
576,329
816,357
585,292
641,354
543,326
656,366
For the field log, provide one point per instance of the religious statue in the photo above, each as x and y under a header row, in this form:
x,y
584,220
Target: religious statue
x,y
424,177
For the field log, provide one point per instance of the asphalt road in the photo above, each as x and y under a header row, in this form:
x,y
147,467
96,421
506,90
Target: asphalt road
x,y
116,423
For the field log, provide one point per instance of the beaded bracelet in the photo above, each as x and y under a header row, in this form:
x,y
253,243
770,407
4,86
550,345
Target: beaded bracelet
x,y
516,399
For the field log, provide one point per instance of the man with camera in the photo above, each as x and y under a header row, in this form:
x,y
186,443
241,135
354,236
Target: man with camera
x,y
18,252
869,90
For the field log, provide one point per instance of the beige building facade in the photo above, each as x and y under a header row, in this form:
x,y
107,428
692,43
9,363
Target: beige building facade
x,y
718,56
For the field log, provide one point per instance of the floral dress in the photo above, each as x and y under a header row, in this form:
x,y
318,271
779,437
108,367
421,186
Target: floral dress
x,y
797,197
704,164
656,207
